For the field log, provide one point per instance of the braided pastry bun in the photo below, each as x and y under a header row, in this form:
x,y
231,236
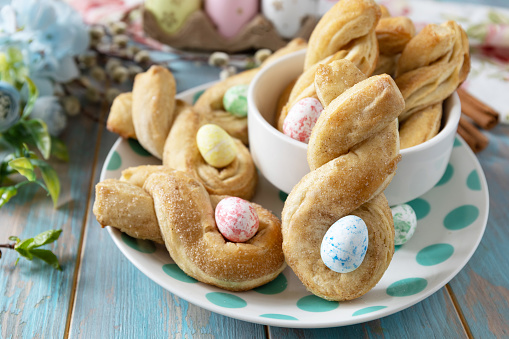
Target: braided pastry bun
x,y
432,65
352,153
181,212
348,26
181,152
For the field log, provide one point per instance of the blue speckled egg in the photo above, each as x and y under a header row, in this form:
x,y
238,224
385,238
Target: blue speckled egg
x,y
345,244
405,223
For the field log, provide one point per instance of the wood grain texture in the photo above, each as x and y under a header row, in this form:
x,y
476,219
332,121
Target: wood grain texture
x,y
482,287
114,299
35,297
434,317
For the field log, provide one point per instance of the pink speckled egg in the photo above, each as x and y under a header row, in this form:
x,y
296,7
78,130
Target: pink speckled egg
x,y
230,15
236,219
302,118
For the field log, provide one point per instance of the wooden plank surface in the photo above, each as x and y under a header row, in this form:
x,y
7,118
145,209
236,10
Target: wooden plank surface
x,y
482,287
35,297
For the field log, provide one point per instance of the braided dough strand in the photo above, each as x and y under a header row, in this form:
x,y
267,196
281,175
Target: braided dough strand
x,y
426,78
348,25
353,152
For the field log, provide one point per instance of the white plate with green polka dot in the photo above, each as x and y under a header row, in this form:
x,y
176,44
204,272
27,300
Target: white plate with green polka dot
x,y
451,221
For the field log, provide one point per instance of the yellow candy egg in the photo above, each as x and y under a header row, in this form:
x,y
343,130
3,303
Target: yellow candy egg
x,y
216,145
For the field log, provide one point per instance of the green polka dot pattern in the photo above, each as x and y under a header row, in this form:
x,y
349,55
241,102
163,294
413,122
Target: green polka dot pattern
x,y
115,162
461,217
421,207
407,287
312,303
368,310
449,171
276,286
227,300
278,316
143,246
175,272
434,254
136,147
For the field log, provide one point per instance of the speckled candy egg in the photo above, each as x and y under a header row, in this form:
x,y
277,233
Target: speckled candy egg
x,y
215,145
231,15
235,100
345,244
302,118
171,15
405,223
236,219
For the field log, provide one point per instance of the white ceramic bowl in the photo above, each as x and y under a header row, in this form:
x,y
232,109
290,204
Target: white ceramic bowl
x,y
282,160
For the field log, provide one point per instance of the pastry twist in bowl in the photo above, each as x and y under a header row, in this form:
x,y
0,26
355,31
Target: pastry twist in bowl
x,y
158,203
352,153
432,66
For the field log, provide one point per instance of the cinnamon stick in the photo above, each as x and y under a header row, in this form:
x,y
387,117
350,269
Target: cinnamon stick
x,y
483,115
473,137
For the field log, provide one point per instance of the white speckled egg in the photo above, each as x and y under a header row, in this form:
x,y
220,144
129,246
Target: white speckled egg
x,y
405,223
287,15
302,118
345,244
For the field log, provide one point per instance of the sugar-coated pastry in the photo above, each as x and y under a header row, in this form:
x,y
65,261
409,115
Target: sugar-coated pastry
x,y
421,126
185,212
239,178
352,154
160,204
432,65
153,108
348,26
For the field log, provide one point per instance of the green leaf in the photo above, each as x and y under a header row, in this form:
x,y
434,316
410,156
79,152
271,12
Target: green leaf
x,y
6,193
50,177
33,93
45,238
48,256
39,132
59,149
24,167
24,244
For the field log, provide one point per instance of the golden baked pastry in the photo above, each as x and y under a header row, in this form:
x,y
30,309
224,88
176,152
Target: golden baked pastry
x,y
421,126
432,65
184,217
181,152
392,33
153,108
348,26
352,153
120,119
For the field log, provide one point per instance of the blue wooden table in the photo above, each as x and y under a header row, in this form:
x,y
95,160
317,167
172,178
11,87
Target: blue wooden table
x,y
100,294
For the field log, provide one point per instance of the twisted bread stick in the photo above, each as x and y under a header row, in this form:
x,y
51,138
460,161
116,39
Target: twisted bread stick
x,y
348,26
432,65
182,214
352,153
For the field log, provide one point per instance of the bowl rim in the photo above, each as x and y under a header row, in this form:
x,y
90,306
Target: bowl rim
x,y
449,127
